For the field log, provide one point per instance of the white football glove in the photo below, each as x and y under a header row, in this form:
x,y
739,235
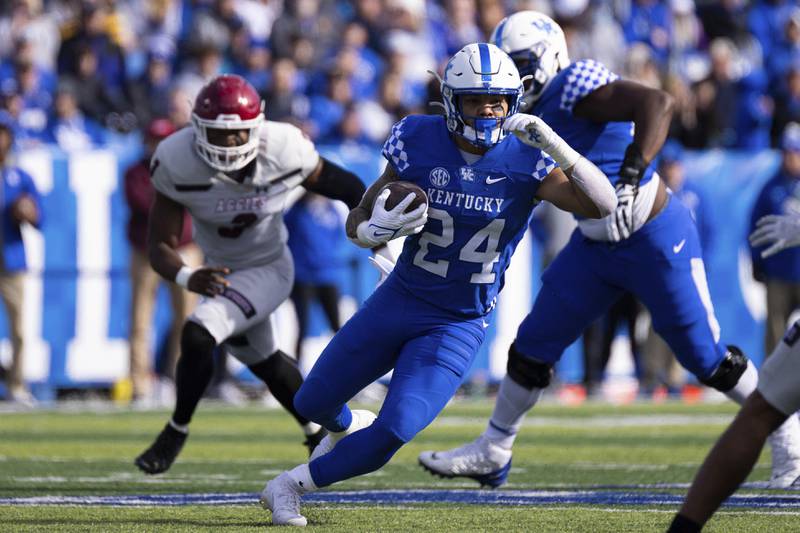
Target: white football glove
x,y
622,217
383,225
532,130
779,231
535,132
384,266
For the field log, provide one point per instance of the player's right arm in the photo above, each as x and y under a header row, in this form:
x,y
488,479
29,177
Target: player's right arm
x,y
649,109
370,225
163,235
164,230
576,185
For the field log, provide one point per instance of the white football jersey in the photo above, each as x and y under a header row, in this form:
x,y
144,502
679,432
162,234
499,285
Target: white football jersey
x,y
236,225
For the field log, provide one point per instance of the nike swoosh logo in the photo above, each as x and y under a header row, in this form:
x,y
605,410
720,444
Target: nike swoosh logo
x,y
484,324
678,247
490,180
381,231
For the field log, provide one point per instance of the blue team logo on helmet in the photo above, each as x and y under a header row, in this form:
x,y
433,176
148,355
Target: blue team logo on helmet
x,y
479,68
439,177
537,45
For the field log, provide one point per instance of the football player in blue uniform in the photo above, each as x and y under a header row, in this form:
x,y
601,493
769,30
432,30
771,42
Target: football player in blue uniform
x,y
428,318
649,247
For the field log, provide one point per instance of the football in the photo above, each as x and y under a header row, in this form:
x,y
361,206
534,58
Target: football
x,y
399,190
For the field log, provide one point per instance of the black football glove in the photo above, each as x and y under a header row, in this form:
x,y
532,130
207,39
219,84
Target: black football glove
x,y
630,174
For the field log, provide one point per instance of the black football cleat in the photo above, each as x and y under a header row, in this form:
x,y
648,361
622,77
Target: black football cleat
x,y
312,440
162,453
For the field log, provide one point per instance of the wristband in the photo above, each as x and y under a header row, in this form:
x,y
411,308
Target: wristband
x,y
183,275
563,154
633,165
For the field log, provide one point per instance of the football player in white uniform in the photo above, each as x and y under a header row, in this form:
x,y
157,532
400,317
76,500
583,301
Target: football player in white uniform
x,y
776,399
233,171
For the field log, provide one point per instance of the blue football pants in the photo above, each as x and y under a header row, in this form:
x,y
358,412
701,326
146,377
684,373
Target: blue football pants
x,y
430,352
661,264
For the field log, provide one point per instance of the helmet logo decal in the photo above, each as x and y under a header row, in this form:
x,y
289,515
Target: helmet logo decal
x,y
543,25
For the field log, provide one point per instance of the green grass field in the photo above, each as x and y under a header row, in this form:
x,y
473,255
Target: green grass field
x,y
594,448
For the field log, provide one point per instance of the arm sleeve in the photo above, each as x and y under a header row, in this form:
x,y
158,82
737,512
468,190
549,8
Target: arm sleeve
x,y
339,184
584,78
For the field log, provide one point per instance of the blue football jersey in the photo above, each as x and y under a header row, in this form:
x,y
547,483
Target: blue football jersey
x,y
602,143
477,213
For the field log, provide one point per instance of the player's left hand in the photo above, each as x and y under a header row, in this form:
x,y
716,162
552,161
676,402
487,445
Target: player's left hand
x,y
778,231
384,266
622,217
532,130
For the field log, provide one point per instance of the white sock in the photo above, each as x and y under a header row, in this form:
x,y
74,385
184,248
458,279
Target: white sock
x,y
789,432
302,476
513,401
745,386
310,428
183,428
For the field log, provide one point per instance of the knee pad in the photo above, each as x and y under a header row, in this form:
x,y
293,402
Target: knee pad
x,y
527,371
196,341
727,374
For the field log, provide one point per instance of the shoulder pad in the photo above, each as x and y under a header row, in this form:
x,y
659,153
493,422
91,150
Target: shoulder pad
x,y
582,78
176,162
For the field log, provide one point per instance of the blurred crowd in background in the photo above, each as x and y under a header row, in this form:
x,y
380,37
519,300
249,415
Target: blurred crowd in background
x,y
74,72
83,74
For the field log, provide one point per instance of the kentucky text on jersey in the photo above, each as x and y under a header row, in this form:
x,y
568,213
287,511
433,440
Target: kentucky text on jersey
x,y
477,213
470,201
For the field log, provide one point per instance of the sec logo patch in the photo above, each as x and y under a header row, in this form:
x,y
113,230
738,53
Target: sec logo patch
x,y
439,177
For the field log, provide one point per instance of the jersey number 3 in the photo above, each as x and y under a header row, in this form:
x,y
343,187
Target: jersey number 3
x,y
239,223
469,253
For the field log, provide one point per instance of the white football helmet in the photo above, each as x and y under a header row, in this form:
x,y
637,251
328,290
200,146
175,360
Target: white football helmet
x,y
479,68
537,45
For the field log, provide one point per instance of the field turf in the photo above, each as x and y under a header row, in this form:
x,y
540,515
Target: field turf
x,y
589,468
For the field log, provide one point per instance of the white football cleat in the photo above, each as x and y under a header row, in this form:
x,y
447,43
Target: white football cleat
x,y
785,444
486,463
282,497
361,419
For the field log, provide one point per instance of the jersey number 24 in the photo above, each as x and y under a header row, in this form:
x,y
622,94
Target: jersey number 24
x,y
469,252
